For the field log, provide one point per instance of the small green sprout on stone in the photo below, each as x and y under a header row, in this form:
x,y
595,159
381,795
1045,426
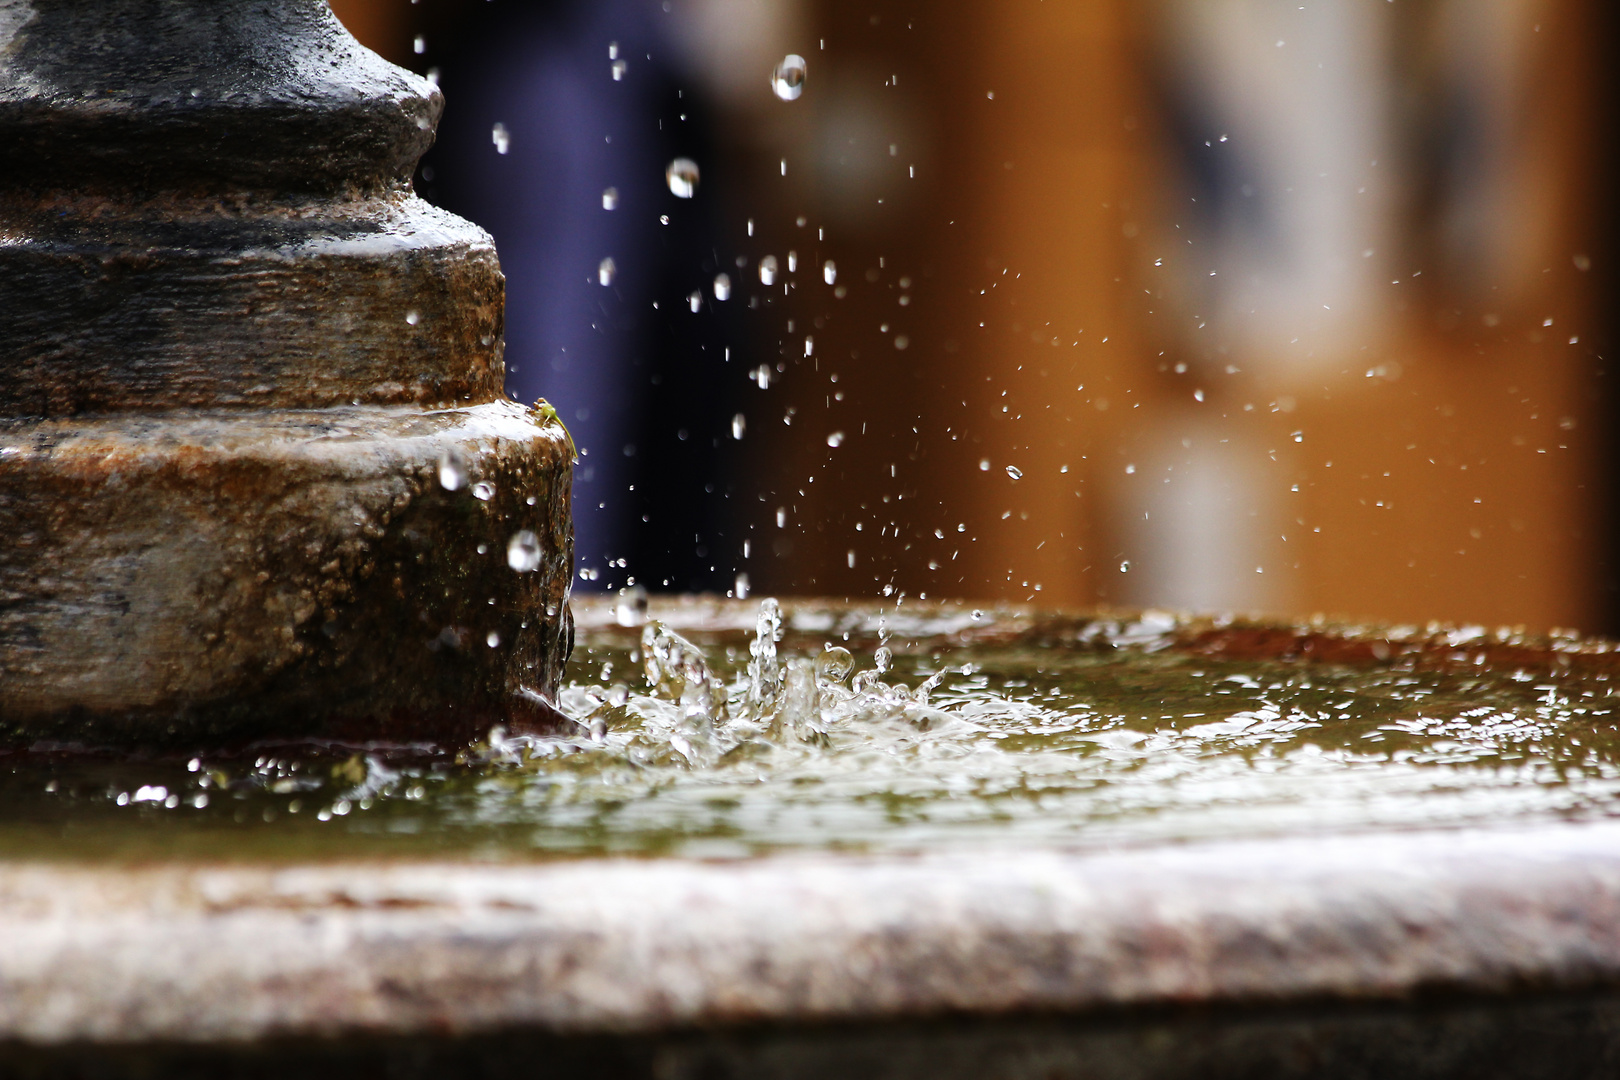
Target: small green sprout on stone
x,y
544,413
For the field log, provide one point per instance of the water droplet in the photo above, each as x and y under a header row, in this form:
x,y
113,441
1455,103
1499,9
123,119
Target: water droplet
x,y
829,272
851,557
1015,472
618,68
984,464
1125,567
412,318
452,470
793,262
493,639
787,81
836,439
884,659
767,270
741,587
483,491
605,271
809,345
902,342
613,50
722,286
977,614
834,665
762,376
631,608
694,300
781,517
501,138
739,425
523,552
610,198
682,177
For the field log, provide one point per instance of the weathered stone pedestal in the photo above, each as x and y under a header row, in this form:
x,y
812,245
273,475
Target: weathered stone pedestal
x,y
257,473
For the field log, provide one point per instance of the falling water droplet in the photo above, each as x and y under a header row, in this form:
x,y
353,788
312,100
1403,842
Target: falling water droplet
x,y
787,81
984,464
722,286
902,342
793,262
631,607
412,318
884,659
741,587
523,552
767,270
493,639
618,68
501,138
1125,567
610,198
762,376
809,345
829,272
836,439
452,471
739,426
605,271
852,558
781,517
682,177
483,491
694,300
1015,472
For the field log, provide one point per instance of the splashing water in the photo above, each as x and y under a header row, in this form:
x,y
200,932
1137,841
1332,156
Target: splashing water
x,y
693,735
787,80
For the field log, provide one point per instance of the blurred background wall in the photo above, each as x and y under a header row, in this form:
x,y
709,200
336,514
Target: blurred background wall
x,y
1218,304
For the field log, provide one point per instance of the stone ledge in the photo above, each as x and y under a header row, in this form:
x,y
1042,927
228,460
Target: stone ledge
x,y
207,954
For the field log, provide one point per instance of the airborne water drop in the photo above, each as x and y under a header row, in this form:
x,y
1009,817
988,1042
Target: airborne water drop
x,y
452,471
787,81
523,552
682,177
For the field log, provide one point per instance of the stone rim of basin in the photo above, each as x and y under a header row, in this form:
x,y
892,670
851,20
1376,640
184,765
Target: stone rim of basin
x,y
222,955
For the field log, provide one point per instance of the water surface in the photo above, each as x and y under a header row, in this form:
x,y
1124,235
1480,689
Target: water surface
x,y
990,728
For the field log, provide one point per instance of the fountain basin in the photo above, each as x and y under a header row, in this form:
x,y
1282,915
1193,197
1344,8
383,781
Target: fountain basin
x,y
1486,942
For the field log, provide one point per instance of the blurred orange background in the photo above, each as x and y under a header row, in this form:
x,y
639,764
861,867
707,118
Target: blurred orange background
x,y
1204,304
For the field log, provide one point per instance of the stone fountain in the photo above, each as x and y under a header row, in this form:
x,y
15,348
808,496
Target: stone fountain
x,y
257,471
259,483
